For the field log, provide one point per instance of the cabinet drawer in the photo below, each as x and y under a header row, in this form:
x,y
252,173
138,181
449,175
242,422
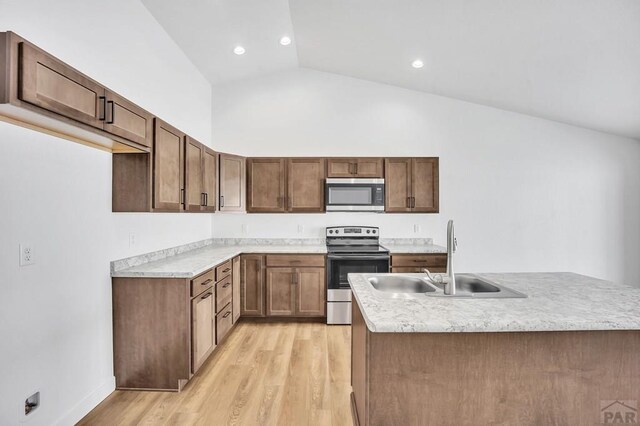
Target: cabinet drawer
x,y
224,290
295,260
418,260
223,270
223,322
202,282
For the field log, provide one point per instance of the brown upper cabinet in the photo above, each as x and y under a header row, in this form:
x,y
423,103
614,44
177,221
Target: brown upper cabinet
x,y
232,183
168,168
355,167
42,92
278,185
412,185
200,176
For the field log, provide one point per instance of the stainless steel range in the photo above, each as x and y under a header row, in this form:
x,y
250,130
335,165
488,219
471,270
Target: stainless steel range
x,y
351,249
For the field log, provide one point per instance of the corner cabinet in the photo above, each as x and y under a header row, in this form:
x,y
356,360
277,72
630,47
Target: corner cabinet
x,y
252,285
281,185
412,185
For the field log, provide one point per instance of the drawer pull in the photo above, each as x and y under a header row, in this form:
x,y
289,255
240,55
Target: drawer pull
x,y
226,285
226,270
227,314
206,295
207,282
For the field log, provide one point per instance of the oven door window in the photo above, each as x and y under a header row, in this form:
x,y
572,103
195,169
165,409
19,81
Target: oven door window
x,y
340,268
349,195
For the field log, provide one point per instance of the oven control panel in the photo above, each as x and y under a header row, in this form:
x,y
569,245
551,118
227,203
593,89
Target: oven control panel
x,y
353,231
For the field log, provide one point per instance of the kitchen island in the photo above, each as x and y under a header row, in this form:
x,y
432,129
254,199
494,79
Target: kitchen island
x,y
555,357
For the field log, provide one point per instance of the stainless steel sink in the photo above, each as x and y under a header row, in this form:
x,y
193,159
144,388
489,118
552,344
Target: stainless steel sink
x,y
413,286
401,284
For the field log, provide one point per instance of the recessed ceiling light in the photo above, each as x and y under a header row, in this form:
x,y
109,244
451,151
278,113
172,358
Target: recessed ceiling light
x,y
417,63
238,50
285,41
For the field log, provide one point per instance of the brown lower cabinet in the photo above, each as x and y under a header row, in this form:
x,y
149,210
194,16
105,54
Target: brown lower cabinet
x,y
164,329
283,285
414,263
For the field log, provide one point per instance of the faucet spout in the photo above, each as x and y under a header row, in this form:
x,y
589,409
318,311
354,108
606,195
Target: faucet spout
x,y
448,281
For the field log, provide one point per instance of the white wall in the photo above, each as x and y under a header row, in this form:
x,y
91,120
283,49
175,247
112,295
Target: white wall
x,y
526,194
55,316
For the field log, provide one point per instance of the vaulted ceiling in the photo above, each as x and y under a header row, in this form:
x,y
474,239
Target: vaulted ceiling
x,y
573,61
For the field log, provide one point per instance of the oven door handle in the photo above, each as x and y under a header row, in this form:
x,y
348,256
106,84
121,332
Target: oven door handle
x,y
358,256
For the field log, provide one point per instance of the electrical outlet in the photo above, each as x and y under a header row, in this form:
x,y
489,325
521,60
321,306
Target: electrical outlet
x,y
416,229
300,229
27,255
133,240
245,229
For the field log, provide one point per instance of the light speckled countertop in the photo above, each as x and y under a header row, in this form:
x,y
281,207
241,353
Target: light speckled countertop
x,y
556,302
190,260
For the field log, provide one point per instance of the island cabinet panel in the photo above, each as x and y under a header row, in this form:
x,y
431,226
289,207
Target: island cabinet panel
x,y
306,185
235,278
232,183
516,378
252,285
412,185
355,167
415,263
53,85
168,168
266,185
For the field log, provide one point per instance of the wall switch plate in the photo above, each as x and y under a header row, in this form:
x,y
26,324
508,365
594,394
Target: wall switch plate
x,y
416,228
27,255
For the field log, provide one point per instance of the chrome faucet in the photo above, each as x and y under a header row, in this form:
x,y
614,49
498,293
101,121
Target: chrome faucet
x,y
449,280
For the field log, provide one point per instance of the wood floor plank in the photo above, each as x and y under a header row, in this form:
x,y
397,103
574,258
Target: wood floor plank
x,y
282,373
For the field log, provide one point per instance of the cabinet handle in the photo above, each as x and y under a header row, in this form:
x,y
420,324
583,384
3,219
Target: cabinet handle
x,y
355,165
113,112
408,202
222,201
227,314
413,202
206,199
207,282
103,108
182,196
226,270
206,295
226,285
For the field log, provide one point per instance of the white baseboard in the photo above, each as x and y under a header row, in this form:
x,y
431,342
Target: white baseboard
x,y
88,403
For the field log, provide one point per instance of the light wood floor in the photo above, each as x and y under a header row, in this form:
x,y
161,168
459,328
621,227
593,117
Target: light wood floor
x,y
264,374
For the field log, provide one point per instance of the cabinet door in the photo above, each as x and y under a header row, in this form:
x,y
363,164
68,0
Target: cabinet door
x,y
235,279
125,119
266,185
252,285
202,328
168,167
397,185
209,179
53,85
306,185
424,184
193,163
280,291
232,183
341,167
369,168
311,292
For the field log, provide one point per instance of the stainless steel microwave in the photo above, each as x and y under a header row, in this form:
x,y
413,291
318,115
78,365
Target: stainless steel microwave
x,y
354,195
